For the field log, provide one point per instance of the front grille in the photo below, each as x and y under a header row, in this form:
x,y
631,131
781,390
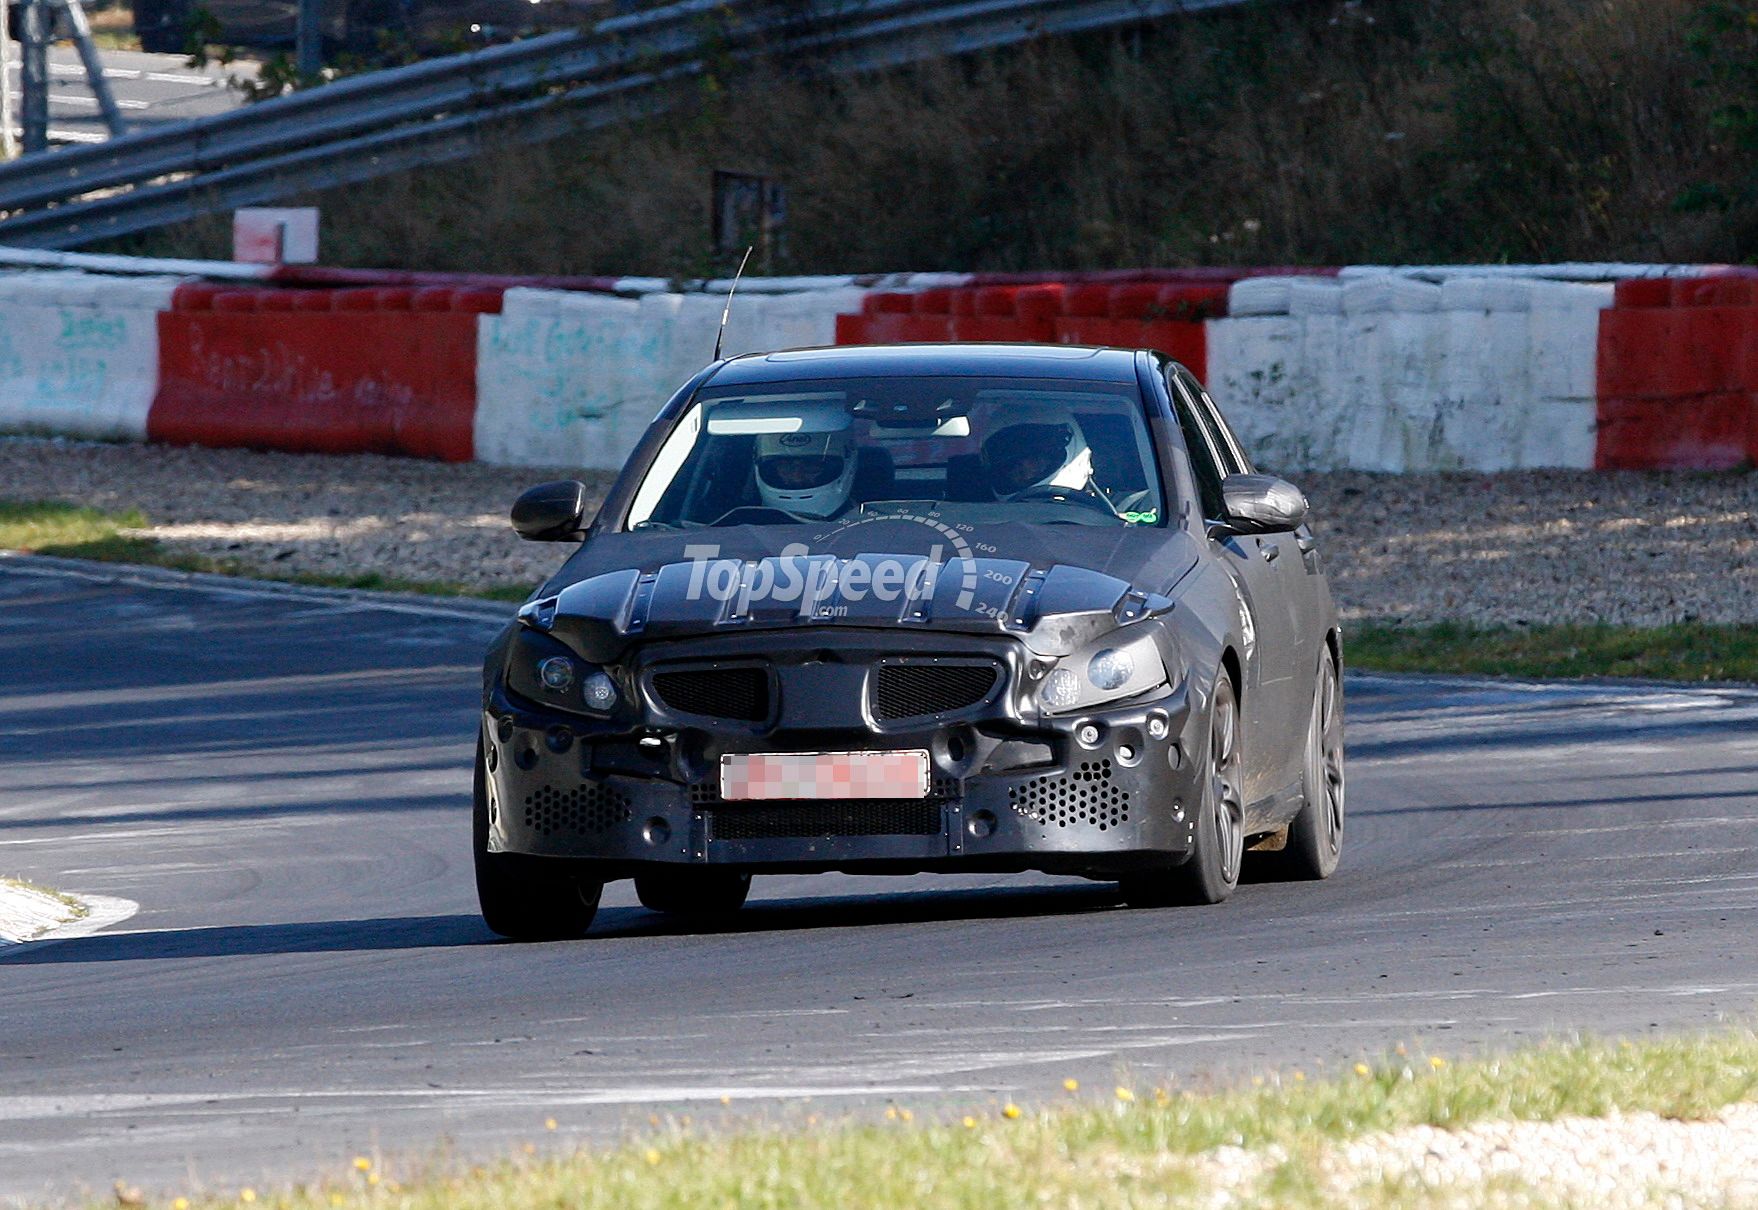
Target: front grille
x,y
917,690
864,817
1085,796
735,693
582,810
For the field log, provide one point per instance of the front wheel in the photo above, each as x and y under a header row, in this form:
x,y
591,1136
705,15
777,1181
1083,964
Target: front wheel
x,y
527,898
1211,872
1315,837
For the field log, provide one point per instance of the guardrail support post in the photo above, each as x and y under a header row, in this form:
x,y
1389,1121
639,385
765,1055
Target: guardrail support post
x,y
33,76
8,115
94,67
308,39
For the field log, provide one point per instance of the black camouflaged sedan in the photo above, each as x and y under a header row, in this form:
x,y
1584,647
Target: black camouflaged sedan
x,y
914,608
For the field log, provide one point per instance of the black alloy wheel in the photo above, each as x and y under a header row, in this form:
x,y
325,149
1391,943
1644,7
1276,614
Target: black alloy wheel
x,y
1211,872
1315,838
522,897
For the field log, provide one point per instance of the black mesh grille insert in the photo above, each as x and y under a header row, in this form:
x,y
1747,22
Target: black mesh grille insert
x,y
736,693
583,810
864,817
914,690
1085,796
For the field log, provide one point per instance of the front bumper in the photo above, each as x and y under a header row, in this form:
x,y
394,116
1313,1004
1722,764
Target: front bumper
x,y
1100,794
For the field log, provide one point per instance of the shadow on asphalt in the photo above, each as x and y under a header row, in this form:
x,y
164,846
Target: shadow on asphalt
x,y
315,937
443,932
850,911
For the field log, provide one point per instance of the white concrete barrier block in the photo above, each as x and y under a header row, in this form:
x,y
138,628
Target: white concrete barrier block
x,y
807,320
1563,352
565,379
1315,296
143,293
1486,294
1388,292
1558,433
1586,295
1255,374
1258,296
80,371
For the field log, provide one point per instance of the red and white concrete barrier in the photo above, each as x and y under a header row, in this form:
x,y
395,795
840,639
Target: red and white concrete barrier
x,y
1401,368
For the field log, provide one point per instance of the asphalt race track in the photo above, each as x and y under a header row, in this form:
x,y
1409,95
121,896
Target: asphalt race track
x,y
150,90
280,780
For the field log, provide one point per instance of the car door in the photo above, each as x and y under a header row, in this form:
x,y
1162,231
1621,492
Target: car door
x,y
1272,707
1308,601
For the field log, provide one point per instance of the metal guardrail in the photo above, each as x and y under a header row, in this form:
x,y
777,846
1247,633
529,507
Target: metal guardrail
x,y
367,126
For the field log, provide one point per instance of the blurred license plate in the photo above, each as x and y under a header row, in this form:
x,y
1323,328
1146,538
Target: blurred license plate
x,y
824,775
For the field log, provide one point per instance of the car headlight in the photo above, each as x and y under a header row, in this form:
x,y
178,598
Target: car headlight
x,y
1108,671
543,670
556,673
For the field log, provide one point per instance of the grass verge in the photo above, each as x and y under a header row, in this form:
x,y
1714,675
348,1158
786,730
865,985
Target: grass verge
x,y
1142,1146
49,528
1683,652
77,907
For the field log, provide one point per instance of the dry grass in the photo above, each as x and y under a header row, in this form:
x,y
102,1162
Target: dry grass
x,y
1318,132
1253,1148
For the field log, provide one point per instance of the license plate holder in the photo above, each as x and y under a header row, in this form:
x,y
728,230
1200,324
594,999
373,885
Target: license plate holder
x,y
770,776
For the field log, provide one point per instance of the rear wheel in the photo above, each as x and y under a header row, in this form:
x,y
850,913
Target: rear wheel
x,y
1315,837
527,898
1211,871
696,893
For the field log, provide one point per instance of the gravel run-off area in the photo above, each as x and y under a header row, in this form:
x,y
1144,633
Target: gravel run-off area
x,y
1517,548
1621,1162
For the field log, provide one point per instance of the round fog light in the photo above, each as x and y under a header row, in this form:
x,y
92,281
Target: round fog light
x,y
599,691
981,825
557,673
657,831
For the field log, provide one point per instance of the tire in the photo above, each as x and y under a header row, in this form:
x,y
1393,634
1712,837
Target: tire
x,y
701,894
527,898
1211,872
1315,837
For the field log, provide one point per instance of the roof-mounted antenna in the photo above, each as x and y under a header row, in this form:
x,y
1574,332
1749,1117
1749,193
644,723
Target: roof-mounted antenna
x,y
721,335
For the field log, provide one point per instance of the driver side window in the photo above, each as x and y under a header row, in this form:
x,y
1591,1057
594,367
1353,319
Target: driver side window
x,y
1205,461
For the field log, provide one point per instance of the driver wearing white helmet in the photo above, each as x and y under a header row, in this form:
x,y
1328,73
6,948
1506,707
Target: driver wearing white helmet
x,y
1039,456
806,474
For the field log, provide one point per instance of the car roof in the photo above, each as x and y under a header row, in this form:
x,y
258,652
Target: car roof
x,y
1074,362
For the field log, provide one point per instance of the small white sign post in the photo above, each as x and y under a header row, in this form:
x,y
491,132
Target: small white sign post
x,y
275,235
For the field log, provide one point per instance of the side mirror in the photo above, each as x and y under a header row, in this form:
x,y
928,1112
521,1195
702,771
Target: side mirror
x,y
1263,504
551,512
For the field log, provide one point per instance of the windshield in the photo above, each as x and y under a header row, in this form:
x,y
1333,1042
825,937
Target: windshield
x,y
982,450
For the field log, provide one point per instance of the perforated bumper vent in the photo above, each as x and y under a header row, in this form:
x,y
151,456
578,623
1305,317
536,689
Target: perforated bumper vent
x,y
585,810
1083,796
916,690
735,693
866,817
